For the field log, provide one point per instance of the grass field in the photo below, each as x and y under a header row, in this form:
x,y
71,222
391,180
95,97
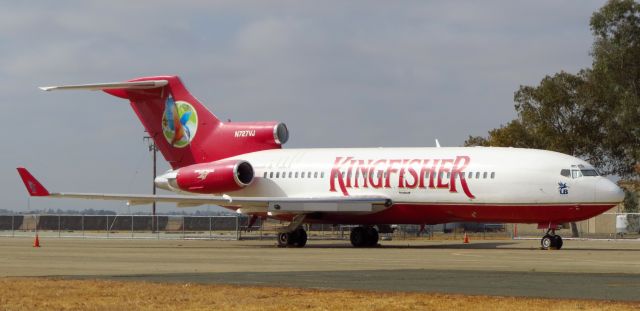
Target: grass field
x,y
56,294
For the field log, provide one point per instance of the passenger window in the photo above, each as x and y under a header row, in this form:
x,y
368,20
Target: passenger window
x,y
296,175
315,175
290,174
322,175
484,175
302,175
284,174
565,173
309,175
470,175
265,175
271,175
477,175
493,175
277,174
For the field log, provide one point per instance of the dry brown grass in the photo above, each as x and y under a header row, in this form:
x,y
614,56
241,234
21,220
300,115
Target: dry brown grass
x,y
55,294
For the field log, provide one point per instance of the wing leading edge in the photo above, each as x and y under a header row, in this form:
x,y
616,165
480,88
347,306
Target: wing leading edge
x,y
273,204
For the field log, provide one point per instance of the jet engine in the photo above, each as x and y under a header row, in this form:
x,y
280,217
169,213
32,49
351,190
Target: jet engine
x,y
209,178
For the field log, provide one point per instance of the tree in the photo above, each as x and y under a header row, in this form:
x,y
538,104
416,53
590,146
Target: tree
x,y
594,114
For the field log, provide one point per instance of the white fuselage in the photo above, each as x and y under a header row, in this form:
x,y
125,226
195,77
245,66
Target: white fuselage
x,y
492,175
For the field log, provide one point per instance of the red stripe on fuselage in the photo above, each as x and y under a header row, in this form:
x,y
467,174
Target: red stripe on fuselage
x,y
407,213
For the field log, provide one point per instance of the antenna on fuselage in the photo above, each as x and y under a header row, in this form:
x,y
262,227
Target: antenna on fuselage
x,y
437,143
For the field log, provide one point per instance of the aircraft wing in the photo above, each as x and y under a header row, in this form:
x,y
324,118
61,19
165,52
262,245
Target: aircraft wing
x,y
244,204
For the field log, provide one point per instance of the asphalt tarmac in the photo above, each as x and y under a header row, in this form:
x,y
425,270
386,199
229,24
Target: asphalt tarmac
x,y
582,269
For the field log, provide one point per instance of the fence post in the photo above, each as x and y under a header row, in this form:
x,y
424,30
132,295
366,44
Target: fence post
x,y
58,226
13,228
210,222
82,225
157,226
237,228
183,222
108,225
131,226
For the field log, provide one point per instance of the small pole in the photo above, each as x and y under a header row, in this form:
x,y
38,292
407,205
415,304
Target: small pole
x,y
154,150
210,223
58,226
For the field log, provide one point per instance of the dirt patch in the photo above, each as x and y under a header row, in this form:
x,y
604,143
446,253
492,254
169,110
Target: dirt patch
x,y
55,294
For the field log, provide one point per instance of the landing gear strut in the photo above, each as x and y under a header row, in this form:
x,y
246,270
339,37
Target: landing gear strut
x,y
295,238
551,240
364,236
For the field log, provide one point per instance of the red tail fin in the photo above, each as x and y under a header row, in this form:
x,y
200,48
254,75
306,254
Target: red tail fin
x,y
186,132
34,187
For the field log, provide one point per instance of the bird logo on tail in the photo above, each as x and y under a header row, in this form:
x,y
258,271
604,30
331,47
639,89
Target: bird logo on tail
x,y
179,122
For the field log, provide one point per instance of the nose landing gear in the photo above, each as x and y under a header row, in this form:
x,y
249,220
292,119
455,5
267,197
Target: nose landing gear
x,y
551,240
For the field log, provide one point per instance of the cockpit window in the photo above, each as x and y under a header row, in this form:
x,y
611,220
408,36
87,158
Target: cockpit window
x,y
565,173
576,173
587,172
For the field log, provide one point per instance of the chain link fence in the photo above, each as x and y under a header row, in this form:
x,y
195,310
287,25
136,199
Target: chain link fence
x,y
608,225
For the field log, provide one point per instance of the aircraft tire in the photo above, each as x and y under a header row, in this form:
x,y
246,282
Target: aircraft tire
x,y
546,242
372,236
284,239
300,237
358,237
557,242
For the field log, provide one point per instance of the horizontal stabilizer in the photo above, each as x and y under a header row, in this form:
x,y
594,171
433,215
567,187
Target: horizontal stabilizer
x,y
136,85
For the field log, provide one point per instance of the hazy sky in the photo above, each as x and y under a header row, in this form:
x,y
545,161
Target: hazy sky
x,y
338,73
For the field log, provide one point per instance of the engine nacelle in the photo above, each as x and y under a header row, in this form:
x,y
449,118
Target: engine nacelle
x,y
273,134
209,178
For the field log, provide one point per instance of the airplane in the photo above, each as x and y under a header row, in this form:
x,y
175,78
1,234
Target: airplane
x,y
241,166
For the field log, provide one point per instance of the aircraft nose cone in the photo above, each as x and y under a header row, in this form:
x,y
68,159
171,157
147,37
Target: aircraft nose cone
x,y
608,191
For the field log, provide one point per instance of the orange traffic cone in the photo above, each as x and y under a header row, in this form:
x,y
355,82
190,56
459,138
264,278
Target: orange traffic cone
x,y
466,239
36,242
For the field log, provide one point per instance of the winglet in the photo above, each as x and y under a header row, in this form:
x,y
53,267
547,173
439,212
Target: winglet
x,y
34,187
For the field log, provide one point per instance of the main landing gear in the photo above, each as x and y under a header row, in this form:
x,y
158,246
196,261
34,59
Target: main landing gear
x,y
295,238
551,240
364,236
294,234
